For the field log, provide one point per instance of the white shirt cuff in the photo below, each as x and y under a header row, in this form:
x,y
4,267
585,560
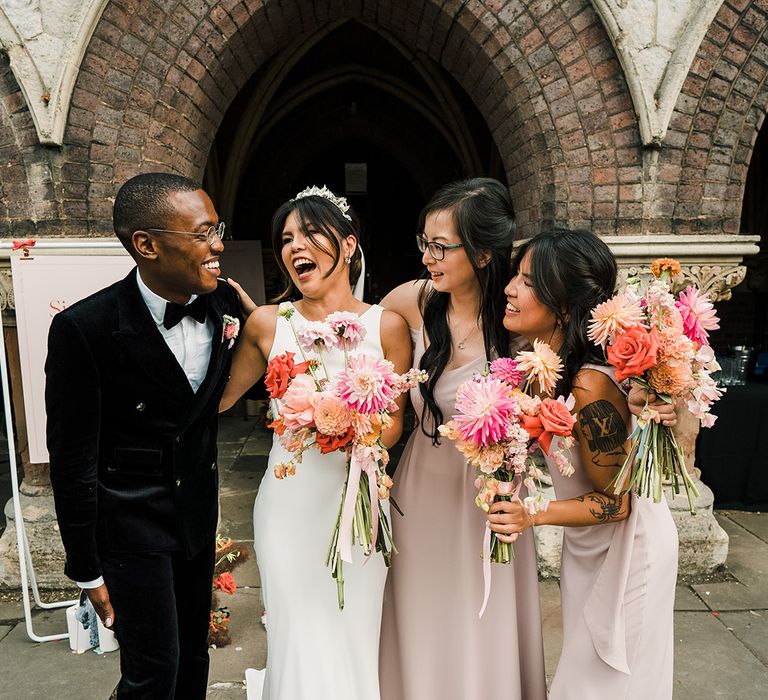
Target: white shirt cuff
x,y
91,584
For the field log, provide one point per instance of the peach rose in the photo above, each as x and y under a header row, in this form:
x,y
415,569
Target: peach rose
x,y
299,403
633,352
556,418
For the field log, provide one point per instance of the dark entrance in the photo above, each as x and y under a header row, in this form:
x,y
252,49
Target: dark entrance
x,y
353,110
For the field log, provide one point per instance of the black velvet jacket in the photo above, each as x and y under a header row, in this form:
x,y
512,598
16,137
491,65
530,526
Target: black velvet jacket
x,y
132,447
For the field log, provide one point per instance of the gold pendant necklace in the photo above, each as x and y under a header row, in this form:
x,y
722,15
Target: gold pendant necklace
x,y
463,342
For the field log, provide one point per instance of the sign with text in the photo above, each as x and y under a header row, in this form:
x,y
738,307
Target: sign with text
x,y
43,286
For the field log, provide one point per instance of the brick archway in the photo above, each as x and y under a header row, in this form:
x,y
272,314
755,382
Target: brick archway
x,y
715,123
155,84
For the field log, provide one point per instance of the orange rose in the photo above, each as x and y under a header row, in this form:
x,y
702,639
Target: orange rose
x,y
280,370
633,352
556,418
225,582
329,443
532,425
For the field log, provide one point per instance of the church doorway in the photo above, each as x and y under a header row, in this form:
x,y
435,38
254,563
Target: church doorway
x,y
353,109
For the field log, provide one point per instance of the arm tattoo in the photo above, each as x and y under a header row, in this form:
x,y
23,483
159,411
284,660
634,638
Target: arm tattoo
x,y
606,508
605,432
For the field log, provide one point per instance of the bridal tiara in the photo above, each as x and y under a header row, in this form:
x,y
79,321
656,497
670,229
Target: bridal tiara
x,y
315,191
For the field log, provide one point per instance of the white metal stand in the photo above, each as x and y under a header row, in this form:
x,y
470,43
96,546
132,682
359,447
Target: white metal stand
x,y
25,560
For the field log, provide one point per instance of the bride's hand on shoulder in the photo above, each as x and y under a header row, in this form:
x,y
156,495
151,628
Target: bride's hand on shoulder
x,y
250,359
247,304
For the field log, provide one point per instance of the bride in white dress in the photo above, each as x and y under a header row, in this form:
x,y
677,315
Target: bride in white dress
x,y
314,650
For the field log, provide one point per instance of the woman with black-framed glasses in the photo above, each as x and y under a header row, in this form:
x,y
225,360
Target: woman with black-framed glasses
x,y
433,645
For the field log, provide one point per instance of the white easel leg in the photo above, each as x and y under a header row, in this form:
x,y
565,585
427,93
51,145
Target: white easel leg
x,y
25,563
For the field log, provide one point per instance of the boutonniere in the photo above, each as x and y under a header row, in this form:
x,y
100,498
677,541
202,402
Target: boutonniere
x,y
231,329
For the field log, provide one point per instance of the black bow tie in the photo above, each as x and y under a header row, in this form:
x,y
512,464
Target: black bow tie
x,y
198,310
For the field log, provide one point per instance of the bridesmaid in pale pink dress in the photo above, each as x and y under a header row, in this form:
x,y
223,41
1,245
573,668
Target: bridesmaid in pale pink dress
x,y
433,646
619,564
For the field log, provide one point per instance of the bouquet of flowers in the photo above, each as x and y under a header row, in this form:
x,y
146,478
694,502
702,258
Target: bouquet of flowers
x,y
498,425
228,555
346,412
661,343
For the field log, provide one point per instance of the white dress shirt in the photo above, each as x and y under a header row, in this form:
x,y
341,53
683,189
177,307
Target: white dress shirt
x,y
190,343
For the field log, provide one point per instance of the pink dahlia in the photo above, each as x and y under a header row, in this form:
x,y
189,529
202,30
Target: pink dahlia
x,y
485,410
347,329
505,368
367,384
698,315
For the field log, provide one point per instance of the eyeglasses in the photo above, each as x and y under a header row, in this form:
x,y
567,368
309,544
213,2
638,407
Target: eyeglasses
x,y
436,250
207,236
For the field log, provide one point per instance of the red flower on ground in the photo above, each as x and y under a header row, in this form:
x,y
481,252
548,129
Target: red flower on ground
x,y
225,582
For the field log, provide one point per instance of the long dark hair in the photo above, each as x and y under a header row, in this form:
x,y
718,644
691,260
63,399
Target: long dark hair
x,y
571,272
485,221
319,213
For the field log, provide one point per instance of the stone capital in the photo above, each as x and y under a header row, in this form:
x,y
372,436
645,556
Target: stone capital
x,y
711,262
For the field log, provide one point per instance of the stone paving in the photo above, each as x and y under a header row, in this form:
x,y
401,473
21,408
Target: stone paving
x,y
721,627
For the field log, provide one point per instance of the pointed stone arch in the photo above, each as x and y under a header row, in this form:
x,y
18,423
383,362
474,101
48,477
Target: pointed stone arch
x,y
156,82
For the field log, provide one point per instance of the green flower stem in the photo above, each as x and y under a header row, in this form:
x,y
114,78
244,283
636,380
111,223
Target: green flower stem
x,y
301,350
320,345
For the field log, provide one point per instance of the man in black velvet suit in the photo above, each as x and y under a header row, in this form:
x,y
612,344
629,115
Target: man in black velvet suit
x,y
134,377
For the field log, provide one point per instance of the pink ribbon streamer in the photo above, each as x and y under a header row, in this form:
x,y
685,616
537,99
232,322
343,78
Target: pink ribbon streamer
x,y
506,488
358,463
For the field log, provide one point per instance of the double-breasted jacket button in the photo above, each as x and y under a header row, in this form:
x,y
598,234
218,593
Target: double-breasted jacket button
x,y
178,482
213,466
177,440
141,406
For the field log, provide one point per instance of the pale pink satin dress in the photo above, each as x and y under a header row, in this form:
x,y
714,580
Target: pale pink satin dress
x,y
617,587
433,646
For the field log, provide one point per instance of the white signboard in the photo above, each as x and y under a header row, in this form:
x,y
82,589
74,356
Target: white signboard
x,y
44,285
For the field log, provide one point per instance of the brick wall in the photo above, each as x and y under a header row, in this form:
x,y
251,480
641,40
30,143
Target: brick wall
x,y
723,102
158,77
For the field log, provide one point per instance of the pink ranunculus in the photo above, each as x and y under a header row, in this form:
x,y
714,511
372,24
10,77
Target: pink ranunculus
x,y
332,415
505,368
367,384
299,402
